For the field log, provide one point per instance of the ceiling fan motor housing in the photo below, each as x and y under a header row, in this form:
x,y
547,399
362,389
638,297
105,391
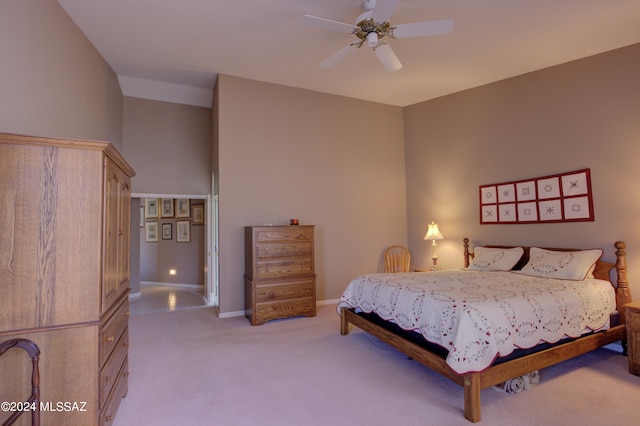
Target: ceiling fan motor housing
x,y
367,26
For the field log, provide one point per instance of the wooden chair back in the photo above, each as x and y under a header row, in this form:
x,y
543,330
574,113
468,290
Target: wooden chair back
x,y
34,399
397,259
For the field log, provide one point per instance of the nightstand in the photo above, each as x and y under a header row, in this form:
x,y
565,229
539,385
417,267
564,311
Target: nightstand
x,y
632,318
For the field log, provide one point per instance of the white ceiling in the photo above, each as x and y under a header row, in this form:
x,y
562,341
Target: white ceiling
x,y
180,46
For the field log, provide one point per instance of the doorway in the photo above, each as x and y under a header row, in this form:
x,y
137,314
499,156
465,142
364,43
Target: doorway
x,y
170,246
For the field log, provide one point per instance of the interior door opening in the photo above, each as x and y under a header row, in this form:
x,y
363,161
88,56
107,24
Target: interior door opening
x,y
171,246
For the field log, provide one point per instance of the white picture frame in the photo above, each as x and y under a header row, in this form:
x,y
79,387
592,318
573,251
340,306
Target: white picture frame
x,y
183,231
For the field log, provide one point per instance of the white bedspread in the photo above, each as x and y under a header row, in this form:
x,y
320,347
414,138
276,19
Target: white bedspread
x,y
478,316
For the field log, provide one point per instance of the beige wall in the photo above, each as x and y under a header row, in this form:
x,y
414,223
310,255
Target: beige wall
x,y
53,82
339,163
169,146
333,162
583,114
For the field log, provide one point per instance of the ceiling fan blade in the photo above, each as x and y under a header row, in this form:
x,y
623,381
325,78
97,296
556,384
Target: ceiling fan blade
x,y
328,24
338,56
427,28
383,10
388,58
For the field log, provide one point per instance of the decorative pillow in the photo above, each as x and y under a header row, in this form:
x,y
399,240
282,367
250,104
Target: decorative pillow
x,y
568,265
495,259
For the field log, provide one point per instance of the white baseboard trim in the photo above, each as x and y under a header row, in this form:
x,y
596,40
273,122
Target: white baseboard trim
x,y
230,314
171,284
241,313
134,295
327,302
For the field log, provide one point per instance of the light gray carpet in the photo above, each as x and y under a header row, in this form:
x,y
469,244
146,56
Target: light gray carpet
x,y
192,368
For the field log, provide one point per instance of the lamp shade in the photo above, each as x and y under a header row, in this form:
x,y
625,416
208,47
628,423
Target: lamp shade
x,y
433,233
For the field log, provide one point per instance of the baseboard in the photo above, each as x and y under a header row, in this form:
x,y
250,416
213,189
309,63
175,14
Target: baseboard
x,y
327,302
241,313
230,314
171,284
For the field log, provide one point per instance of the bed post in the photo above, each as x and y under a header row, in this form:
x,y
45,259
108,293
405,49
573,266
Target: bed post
x,y
623,296
472,396
344,324
466,252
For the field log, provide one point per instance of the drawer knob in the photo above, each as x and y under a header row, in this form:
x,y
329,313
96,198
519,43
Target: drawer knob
x,y
108,418
125,374
109,339
125,344
126,314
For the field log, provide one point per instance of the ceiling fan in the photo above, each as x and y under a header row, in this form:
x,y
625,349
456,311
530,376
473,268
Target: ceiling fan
x,y
372,26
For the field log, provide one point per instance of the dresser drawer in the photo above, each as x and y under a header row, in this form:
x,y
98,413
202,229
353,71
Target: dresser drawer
x,y
283,268
112,367
275,251
271,310
108,412
112,330
291,290
284,234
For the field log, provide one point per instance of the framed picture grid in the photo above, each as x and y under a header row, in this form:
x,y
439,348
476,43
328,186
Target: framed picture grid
x,y
564,197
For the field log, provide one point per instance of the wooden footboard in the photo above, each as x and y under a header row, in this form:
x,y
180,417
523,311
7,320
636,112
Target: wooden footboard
x,y
474,382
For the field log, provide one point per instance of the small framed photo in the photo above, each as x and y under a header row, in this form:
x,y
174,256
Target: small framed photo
x,y
167,231
198,214
183,207
150,208
549,188
527,212
489,214
151,231
183,231
526,190
550,210
166,207
577,208
488,195
507,212
506,193
575,184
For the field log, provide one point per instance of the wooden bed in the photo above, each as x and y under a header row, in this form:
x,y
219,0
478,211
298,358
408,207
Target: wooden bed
x,y
473,382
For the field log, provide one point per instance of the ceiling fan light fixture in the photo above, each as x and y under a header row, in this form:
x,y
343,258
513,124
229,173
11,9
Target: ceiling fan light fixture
x,y
372,39
372,26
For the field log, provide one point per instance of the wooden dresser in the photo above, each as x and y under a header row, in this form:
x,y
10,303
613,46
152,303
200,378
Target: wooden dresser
x,y
64,274
280,279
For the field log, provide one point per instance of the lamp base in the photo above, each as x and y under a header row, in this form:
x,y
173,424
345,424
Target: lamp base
x,y
435,266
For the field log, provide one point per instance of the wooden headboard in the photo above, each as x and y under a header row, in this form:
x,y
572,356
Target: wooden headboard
x,y
602,270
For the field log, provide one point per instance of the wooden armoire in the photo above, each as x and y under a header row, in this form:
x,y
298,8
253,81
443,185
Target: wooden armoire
x,y
64,275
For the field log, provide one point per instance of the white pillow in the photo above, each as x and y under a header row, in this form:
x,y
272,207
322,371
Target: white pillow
x,y
495,259
568,265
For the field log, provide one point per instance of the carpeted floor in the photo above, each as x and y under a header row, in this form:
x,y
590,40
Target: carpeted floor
x,y
192,368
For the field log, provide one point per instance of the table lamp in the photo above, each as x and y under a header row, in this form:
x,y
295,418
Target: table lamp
x,y
433,233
